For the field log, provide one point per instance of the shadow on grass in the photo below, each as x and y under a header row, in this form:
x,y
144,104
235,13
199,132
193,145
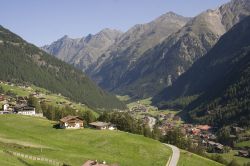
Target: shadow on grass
x,y
24,162
56,126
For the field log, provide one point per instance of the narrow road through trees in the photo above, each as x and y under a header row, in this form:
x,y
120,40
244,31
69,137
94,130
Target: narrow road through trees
x,y
175,156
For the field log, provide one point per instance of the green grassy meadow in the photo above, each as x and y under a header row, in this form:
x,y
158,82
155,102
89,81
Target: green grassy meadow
x,y
243,144
190,159
37,137
232,155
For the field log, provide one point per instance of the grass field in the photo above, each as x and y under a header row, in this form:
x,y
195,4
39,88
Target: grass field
x,y
233,156
146,102
190,159
243,144
37,137
7,160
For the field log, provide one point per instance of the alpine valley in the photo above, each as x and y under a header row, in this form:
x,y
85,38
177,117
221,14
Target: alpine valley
x,y
173,91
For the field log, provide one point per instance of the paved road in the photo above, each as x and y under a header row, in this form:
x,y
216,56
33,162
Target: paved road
x,y
175,156
151,122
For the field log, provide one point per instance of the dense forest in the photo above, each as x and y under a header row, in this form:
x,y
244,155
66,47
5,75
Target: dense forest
x,y
216,89
24,62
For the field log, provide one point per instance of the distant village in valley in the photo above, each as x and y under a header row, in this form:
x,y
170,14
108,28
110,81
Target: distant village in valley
x,y
204,135
164,121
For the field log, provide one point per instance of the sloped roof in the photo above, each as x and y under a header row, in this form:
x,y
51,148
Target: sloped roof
x,y
99,124
69,117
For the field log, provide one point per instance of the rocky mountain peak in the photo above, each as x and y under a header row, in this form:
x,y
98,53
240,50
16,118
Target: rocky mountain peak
x,y
65,37
83,51
175,54
88,38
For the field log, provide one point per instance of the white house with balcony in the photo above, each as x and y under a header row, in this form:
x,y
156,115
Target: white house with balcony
x,y
25,110
71,122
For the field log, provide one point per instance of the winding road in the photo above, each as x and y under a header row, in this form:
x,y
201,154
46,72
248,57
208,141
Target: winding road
x,y
151,122
175,156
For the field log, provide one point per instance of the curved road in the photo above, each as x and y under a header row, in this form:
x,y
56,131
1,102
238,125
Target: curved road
x,y
175,156
151,122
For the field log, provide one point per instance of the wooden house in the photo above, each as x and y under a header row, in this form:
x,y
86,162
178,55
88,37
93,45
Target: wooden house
x,y
243,153
102,125
216,147
71,122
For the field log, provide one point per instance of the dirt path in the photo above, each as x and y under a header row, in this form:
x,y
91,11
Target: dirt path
x,y
22,143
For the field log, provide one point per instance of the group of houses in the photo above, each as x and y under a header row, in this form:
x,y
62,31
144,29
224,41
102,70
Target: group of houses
x,y
17,105
76,122
205,134
199,134
139,108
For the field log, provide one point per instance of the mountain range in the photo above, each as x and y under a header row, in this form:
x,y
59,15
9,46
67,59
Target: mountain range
x,y
150,57
24,62
161,65
84,51
217,86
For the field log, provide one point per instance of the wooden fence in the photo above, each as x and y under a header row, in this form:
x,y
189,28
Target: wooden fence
x,y
25,156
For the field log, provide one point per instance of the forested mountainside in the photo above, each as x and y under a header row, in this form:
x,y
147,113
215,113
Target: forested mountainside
x,y
84,51
220,81
23,62
160,66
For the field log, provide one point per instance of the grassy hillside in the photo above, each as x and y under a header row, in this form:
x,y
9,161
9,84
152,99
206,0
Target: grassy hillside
x,y
55,100
24,62
232,155
30,135
190,159
243,144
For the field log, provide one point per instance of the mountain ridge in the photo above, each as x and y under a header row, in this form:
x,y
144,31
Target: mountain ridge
x,y
24,62
81,52
220,80
131,46
160,66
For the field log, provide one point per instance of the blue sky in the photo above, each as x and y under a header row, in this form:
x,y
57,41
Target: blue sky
x,y
44,21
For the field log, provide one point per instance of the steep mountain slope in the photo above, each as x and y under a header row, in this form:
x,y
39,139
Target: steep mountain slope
x,y
122,56
84,51
21,61
221,80
160,66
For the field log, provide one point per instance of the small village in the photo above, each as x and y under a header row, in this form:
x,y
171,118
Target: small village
x,y
19,105
204,135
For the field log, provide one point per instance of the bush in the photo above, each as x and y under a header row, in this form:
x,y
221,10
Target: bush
x,y
219,159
